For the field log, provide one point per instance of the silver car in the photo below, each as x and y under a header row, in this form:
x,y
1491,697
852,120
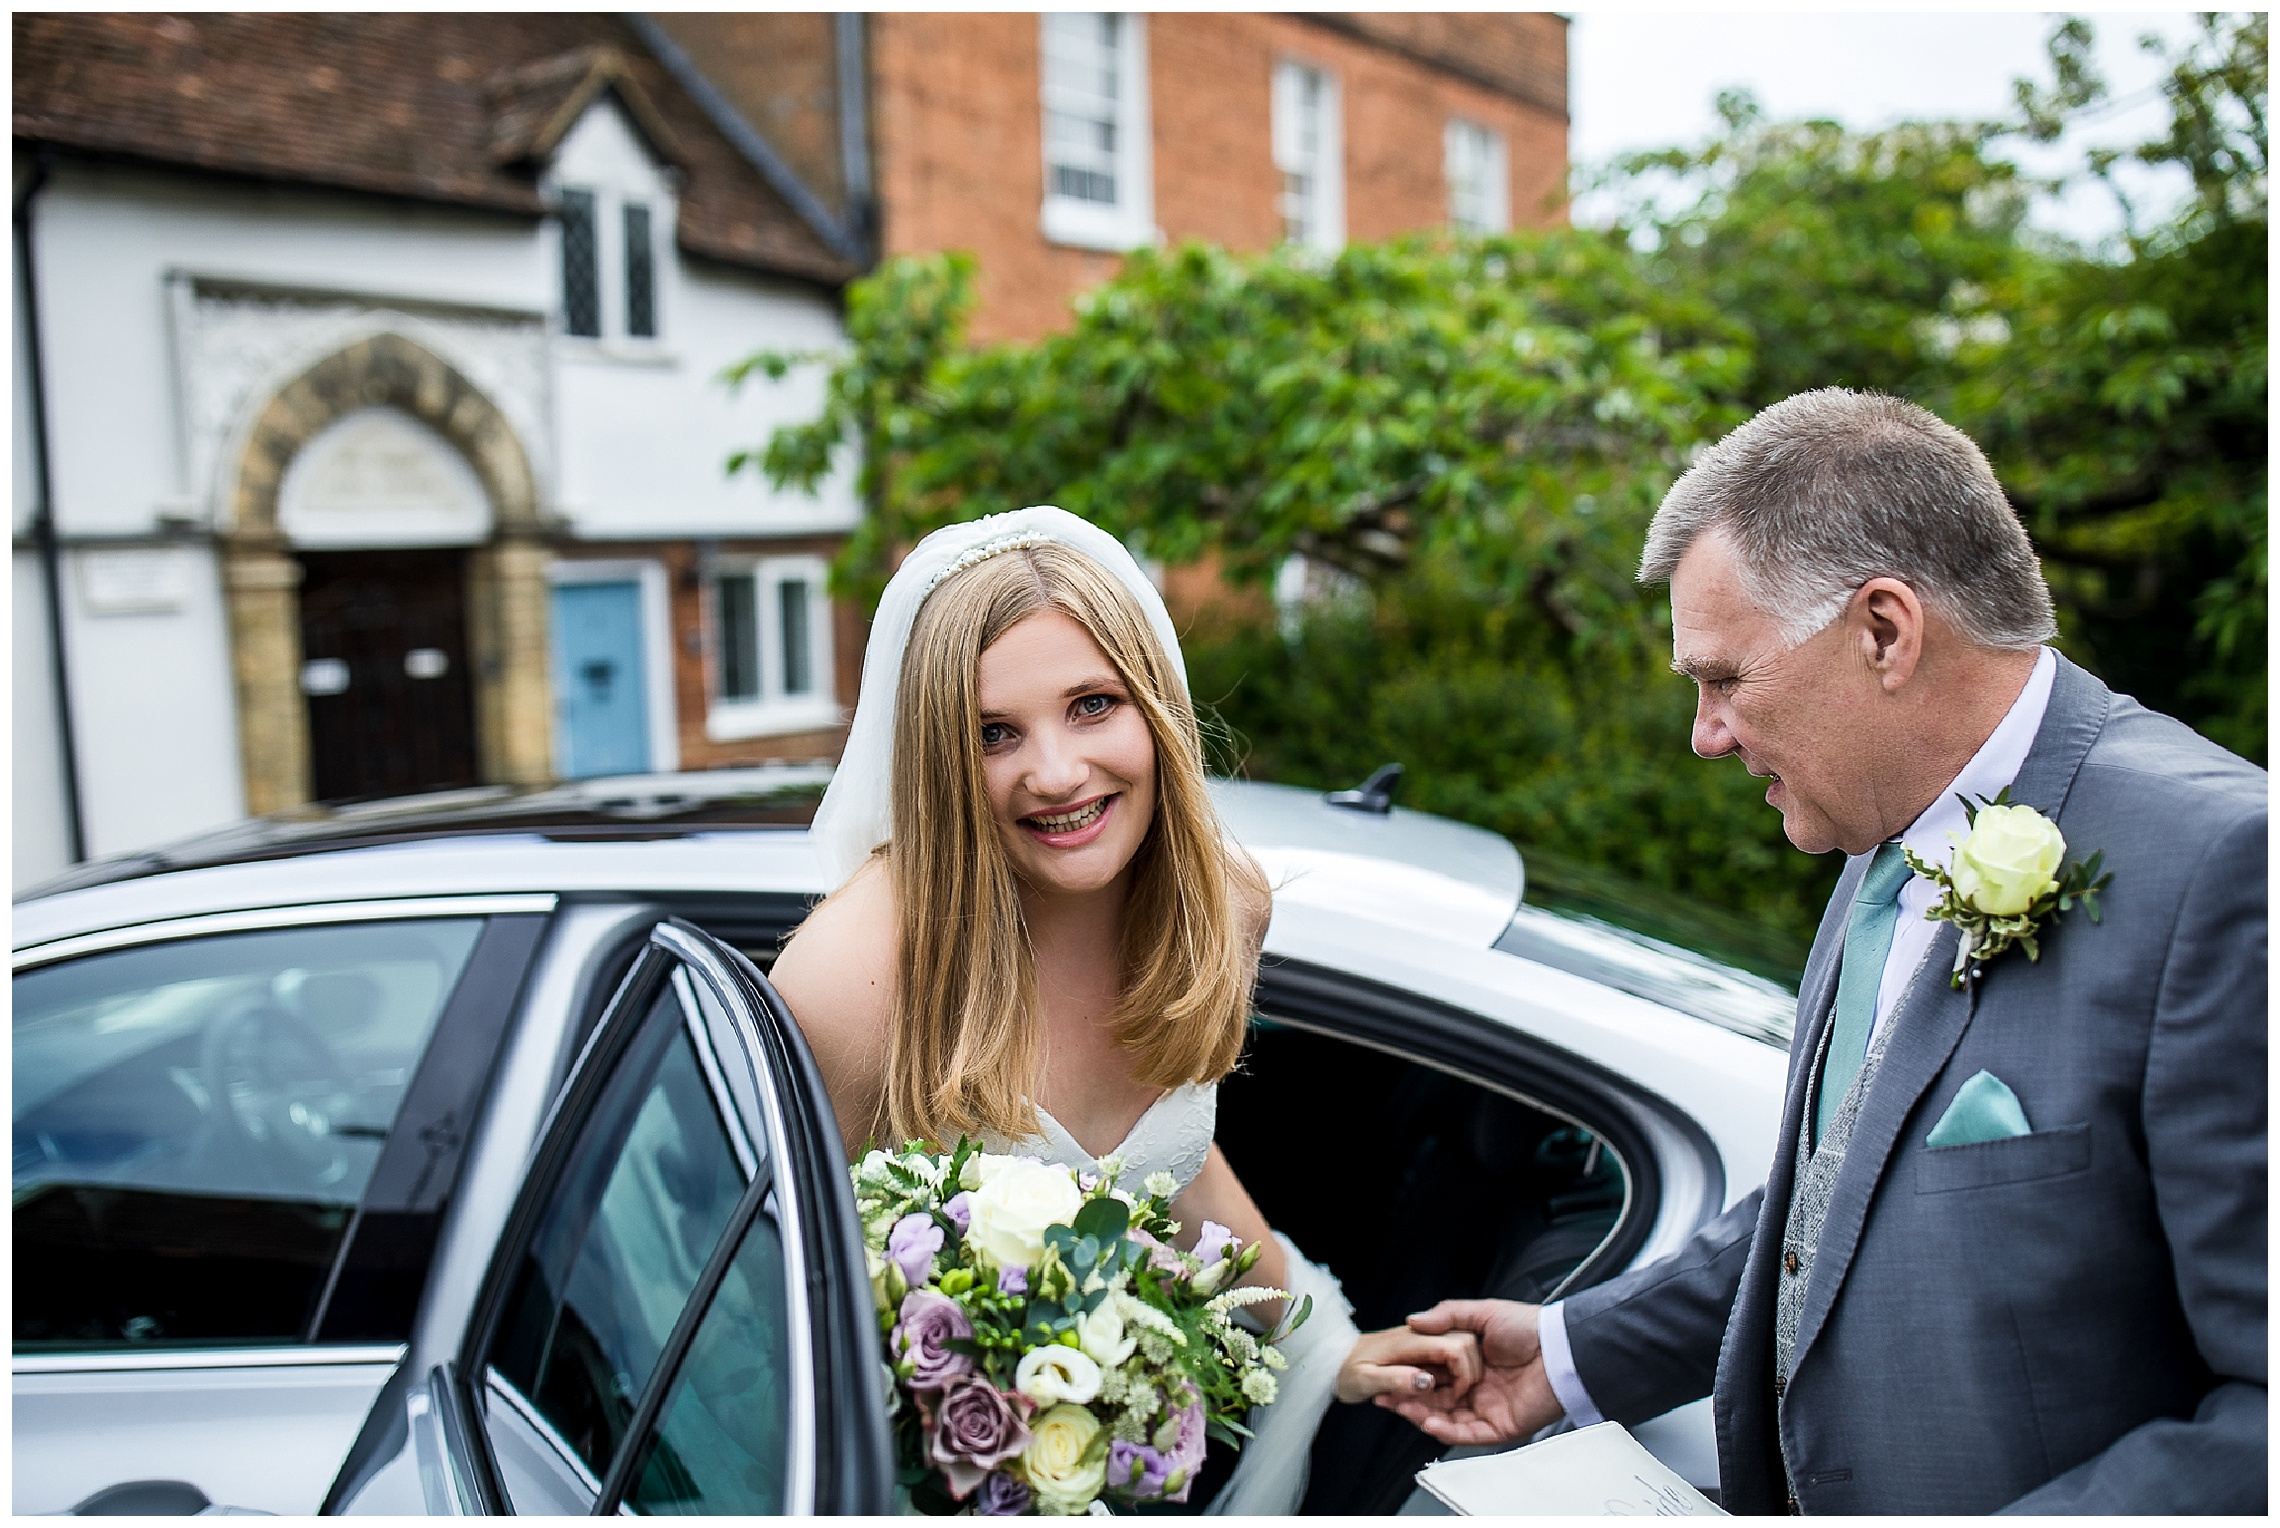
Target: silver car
x,y
454,1155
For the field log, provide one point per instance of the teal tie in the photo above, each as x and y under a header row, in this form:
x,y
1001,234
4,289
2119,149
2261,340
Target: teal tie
x,y
1868,939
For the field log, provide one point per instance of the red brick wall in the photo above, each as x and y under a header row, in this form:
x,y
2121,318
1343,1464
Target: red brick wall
x,y
956,134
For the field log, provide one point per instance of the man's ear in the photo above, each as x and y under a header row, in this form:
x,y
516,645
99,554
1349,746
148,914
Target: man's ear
x,y
1888,628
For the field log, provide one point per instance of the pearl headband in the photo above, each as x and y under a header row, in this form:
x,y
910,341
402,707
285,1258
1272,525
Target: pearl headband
x,y
982,553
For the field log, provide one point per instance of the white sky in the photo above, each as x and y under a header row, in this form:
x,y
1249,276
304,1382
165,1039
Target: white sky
x,y
1642,79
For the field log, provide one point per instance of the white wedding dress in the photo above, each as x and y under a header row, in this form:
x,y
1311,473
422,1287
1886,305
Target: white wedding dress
x,y
1174,1136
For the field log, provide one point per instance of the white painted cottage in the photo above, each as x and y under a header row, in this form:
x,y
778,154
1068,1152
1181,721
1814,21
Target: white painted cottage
x,y
369,434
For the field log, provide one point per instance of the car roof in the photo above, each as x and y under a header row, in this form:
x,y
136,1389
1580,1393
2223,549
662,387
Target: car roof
x,y
728,831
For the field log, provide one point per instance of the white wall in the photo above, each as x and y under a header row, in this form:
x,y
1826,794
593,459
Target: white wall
x,y
647,426
645,444
39,845
152,694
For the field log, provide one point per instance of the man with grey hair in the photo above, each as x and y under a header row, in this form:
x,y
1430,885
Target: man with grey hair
x,y
2011,1251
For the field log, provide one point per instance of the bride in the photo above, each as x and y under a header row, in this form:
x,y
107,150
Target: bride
x,y
1042,937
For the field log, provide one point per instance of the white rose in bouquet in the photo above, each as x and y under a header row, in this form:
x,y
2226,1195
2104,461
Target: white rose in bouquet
x,y
1016,1199
1055,1463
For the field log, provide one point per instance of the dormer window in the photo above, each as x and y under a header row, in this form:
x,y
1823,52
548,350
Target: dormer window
x,y
614,203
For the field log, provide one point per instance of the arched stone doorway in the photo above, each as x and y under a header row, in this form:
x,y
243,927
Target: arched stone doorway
x,y
506,591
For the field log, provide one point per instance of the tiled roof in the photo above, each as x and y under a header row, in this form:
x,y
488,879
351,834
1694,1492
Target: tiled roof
x,y
439,106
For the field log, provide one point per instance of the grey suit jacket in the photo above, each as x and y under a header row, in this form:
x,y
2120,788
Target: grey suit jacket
x,y
2067,1321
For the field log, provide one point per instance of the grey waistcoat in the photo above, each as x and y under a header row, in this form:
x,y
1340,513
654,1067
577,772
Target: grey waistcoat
x,y
1815,1183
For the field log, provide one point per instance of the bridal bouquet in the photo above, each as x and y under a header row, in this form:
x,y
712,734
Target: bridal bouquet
x,y
1051,1351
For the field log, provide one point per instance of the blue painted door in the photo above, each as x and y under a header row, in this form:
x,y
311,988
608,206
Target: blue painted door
x,y
600,692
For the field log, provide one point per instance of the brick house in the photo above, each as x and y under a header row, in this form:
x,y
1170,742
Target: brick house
x,y
1048,145
369,433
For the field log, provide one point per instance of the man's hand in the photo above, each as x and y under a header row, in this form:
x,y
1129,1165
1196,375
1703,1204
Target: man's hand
x,y
1399,1361
1513,1398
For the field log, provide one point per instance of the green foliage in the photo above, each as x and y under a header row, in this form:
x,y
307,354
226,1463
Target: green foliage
x,y
1477,431
2126,412
1520,399
1578,754
1853,259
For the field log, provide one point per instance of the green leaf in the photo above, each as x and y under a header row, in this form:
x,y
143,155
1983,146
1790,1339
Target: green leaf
x,y
1104,1218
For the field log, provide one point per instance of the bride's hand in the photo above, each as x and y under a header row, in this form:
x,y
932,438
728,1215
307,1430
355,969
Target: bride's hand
x,y
1399,1361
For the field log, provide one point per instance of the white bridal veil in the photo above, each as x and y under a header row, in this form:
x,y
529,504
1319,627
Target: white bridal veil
x,y
857,814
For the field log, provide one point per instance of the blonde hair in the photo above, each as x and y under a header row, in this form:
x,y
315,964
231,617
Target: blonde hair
x,y
966,1035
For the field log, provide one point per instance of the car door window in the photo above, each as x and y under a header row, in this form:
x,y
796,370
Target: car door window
x,y
196,1121
640,1206
719,1442
680,1320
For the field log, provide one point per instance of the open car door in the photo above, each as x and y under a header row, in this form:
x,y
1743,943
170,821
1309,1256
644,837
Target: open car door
x,y
677,1318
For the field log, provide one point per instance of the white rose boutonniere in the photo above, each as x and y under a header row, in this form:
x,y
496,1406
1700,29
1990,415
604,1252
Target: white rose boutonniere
x,y
2006,882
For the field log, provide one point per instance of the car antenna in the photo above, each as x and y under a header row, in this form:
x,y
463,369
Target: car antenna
x,y
1374,795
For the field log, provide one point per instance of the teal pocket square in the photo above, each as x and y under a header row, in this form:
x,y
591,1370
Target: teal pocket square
x,y
1984,1110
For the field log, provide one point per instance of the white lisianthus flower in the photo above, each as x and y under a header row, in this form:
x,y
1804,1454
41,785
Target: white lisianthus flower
x,y
1259,1388
1054,1463
1160,1185
1053,1373
1100,1332
2011,857
1014,1203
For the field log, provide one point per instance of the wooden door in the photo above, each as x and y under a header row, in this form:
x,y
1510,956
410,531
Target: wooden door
x,y
384,672
601,695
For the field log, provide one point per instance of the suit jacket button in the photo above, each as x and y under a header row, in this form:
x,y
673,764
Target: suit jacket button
x,y
1789,1260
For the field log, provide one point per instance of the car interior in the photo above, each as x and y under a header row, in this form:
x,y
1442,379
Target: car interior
x,y
1432,1186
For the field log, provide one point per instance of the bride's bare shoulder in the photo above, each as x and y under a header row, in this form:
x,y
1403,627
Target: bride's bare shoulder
x,y
837,975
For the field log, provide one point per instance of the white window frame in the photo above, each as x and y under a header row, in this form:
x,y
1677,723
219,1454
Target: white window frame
x,y
773,713
656,648
1131,222
1323,218
1459,141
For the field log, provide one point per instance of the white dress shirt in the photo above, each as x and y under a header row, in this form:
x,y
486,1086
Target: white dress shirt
x,y
1994,766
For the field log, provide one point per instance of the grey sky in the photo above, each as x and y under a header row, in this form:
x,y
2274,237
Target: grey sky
x,y
1643,79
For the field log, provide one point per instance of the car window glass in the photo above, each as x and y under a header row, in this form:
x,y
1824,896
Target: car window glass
x,y
629,1226
541,1474
719,1442
196,1120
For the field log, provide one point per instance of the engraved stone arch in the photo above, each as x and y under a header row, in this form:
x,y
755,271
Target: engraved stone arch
x,y
382,371
506,586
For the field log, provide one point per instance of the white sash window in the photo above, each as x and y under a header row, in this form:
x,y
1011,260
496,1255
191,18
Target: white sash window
x,y
1478,199
1093,84
1309,157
